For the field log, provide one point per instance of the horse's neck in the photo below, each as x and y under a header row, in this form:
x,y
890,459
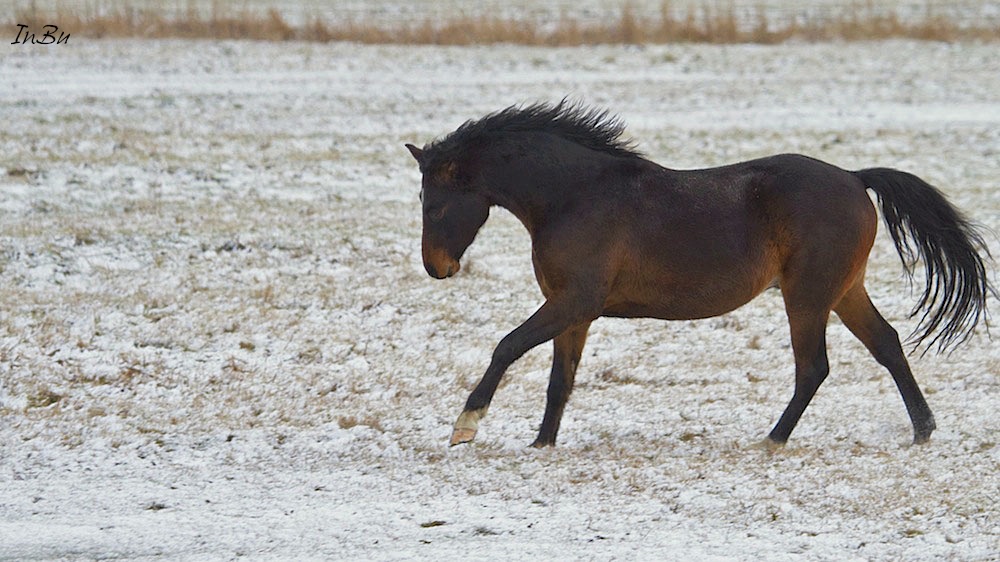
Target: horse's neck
x,y
536,187
529,196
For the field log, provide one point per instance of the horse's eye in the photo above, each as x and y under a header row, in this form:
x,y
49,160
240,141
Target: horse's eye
x,y
436,213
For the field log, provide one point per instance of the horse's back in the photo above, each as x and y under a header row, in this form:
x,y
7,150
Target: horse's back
x,y
710,240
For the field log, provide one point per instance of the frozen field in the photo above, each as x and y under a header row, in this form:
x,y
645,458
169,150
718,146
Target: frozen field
x,y
217,340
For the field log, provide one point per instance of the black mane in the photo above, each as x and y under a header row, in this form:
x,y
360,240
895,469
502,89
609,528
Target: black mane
x,y
593,128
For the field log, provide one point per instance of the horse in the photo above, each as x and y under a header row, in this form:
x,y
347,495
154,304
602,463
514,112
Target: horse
x,y
614,234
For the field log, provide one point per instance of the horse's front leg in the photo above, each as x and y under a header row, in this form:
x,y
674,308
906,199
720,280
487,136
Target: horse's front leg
x,y
552,319
565,359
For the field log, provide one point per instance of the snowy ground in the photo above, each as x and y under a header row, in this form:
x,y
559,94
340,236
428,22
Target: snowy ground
x,y
217,340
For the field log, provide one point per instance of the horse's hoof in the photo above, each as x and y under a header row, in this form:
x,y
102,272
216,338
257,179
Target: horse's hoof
x,y
922,431
768,445
463,435
466,426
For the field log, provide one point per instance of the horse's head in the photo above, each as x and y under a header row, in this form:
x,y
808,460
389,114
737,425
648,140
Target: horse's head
x,y
452,214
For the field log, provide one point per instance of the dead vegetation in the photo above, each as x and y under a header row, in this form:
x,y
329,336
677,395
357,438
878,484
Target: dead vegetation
x,y
704,24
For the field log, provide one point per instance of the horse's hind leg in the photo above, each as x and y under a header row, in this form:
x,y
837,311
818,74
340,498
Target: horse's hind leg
x,y
864,321
568,347
808,331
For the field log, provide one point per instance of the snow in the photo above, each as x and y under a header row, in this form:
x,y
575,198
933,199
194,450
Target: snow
x,y
217,340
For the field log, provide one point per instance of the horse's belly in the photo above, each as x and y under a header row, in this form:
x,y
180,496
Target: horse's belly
x,y
683,299
671,311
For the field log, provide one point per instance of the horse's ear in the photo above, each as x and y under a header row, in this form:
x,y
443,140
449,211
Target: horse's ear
x,y
417,153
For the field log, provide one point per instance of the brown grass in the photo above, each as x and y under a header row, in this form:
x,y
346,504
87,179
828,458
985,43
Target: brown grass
x,y
702,25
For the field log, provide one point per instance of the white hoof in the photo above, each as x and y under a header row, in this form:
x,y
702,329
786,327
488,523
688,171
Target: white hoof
x,y
768,445
466,426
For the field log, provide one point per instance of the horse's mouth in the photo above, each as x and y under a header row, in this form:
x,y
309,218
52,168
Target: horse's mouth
x,y
442,269
445,274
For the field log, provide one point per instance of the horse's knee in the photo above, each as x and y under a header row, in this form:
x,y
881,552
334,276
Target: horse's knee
x,y
558,391
505,352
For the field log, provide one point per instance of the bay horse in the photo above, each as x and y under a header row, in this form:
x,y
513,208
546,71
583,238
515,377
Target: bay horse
x,y
614,234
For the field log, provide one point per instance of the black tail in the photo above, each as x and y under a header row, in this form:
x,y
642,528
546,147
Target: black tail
x,y
924,225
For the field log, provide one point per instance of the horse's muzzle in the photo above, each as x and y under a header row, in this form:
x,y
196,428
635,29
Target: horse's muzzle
x,y
440,265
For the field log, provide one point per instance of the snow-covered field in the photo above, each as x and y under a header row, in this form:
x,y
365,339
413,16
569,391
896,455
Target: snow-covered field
x,y
217,340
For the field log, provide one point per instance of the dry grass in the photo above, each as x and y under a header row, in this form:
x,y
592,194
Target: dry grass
x,y
707,24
